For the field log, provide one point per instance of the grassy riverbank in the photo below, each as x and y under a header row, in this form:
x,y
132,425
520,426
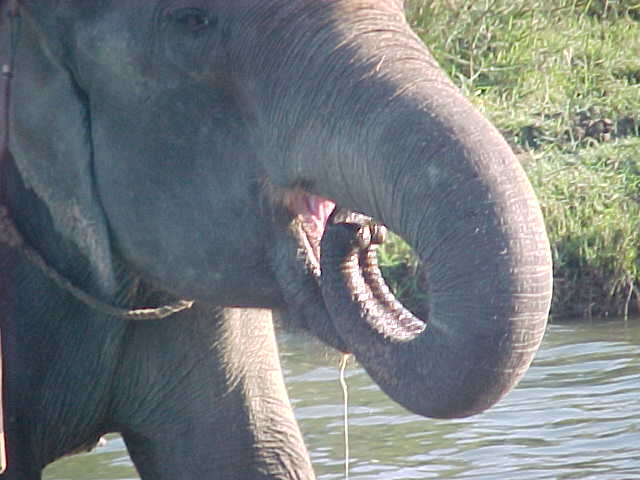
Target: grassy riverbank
x,y
561,80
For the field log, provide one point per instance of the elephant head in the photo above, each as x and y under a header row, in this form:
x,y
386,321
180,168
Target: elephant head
x,y
196,145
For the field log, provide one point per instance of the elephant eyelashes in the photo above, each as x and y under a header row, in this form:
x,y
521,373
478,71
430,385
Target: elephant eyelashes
x,y
191,19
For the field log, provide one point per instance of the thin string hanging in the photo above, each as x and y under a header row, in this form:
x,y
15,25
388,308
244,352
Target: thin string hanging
x,y
345,396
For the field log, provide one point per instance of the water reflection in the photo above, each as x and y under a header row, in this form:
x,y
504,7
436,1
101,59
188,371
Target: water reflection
x,y
576,415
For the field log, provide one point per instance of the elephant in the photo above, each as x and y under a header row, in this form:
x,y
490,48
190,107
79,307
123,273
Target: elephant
x,y
225,162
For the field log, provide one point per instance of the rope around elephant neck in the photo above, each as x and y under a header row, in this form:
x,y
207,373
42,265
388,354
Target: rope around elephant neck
x,y
6,72
10,236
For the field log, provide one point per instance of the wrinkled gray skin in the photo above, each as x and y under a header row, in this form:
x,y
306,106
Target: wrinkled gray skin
x,y
154,146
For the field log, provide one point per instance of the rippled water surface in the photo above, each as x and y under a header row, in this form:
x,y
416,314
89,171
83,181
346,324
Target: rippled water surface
x,y
576,415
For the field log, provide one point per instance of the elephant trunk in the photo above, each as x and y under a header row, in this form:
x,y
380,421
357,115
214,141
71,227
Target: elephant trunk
x,y
443,178
376,127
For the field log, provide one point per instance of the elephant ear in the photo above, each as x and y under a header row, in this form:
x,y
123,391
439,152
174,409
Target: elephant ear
x,y
51,140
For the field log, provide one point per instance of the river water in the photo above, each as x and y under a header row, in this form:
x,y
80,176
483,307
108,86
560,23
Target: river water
x,y
575,415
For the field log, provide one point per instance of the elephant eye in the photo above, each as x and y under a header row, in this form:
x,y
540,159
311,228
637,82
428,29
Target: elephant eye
x,y
191,19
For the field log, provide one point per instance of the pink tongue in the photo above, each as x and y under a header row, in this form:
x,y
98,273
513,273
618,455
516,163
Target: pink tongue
x,y
318,211
313,210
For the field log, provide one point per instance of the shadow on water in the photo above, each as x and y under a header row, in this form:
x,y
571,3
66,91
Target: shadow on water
x,y
575,415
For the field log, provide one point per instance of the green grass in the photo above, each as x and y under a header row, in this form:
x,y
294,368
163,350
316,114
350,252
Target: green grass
x,y
591,204
561,80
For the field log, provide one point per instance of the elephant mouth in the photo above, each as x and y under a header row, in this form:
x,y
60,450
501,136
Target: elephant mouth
x,y
313,219
311,214
315,223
